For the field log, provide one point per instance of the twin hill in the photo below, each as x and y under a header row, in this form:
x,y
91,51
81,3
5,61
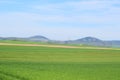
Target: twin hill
x,y
90,41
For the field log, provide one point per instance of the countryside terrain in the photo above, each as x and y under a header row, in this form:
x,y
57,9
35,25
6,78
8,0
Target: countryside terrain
x,y
89,41
59,39
31,61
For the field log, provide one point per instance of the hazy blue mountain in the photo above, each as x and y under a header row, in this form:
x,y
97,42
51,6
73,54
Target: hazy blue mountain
x,y
95,42
33,38
114,43
88,41
1,38
38,38
11,38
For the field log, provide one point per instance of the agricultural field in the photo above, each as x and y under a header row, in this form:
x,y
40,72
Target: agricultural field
x,y
50,63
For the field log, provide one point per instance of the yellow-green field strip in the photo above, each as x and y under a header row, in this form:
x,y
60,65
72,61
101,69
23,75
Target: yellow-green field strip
x,y
57,46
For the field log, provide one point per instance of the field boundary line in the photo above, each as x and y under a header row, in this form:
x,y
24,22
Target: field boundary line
x,y
56,46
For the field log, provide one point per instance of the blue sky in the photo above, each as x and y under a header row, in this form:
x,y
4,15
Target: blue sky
x,y
60,19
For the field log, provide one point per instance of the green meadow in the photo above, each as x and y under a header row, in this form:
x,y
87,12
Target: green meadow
x,y
45,63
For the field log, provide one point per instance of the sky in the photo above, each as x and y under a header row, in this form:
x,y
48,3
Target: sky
x,y
60,19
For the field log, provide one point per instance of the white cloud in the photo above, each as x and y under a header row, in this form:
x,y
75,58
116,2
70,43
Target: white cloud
x,y
103,14
71,12
92,11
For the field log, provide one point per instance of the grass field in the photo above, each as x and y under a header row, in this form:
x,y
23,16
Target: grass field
x,y
45,63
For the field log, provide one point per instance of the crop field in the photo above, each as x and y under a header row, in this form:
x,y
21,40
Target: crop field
x,y
47,63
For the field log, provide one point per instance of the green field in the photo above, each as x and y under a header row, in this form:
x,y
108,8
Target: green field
x,y
45,63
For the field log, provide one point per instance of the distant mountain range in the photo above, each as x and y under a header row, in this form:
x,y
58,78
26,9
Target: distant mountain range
x,y
36,38
91,41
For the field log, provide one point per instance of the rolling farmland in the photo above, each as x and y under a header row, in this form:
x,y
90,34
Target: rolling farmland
x,y
50,63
